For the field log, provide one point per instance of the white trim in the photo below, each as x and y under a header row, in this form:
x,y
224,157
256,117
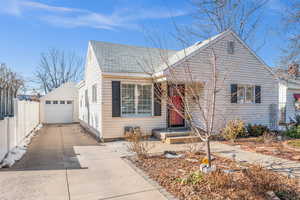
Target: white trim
x,y
136,100
141,75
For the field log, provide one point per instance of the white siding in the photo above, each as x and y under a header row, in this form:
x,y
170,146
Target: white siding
x,y
93,112
290,104
113,127
242,67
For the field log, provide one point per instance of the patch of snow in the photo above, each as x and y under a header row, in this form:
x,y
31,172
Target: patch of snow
x,y
168,155
17,152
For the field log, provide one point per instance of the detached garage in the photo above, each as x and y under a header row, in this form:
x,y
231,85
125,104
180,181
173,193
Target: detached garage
x,y
60,105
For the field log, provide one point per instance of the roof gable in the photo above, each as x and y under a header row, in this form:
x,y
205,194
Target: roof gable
x,y
190,51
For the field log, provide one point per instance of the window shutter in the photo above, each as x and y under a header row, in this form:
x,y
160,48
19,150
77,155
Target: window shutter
x,y
116,99
233,89
257,94
157,99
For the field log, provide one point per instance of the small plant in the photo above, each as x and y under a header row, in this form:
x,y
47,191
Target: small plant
x,y
138,146
193,178
234,129
293,132
256,130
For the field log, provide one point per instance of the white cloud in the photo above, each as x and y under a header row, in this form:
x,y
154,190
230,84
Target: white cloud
x,y
73,17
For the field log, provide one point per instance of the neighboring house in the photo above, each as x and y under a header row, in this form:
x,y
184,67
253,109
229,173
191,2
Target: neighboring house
x,y
60,105
289,93
117,91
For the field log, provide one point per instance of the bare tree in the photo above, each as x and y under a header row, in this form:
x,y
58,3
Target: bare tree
x,y
10,83
56,68
215,16
291,54
197,97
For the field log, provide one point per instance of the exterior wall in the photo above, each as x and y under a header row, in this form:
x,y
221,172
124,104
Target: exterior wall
x,y
90,115
291,112
113,127
68,91
242,67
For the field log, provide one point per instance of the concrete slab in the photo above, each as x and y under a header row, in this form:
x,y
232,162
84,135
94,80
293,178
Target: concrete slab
x,y
33,185
63,162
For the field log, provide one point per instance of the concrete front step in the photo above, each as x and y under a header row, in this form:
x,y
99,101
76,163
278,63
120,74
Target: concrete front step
x,y
182,139
164,134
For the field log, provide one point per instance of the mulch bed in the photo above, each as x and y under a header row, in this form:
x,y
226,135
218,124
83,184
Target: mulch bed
x,y
243,182
279,149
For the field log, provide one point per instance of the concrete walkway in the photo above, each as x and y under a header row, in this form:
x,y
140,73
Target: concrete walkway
x,y
64,163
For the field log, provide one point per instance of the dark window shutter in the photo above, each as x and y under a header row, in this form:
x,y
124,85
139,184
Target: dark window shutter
x,y
257,94
157,99
116,99
233,89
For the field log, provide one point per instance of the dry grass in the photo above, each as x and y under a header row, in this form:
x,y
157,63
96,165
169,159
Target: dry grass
x,y
182,178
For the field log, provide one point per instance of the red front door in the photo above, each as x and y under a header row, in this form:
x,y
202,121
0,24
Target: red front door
x,y
176,108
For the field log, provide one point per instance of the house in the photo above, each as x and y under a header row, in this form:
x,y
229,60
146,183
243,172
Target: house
x,y
289,93
60,105
117,90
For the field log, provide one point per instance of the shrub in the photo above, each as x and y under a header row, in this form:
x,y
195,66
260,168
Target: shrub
x,y
293,132
256,130
234,129
193,178
138,146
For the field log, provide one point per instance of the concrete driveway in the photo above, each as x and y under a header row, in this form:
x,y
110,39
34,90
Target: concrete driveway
x,y
65,163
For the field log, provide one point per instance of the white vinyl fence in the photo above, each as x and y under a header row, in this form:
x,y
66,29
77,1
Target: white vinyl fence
x,y
13,130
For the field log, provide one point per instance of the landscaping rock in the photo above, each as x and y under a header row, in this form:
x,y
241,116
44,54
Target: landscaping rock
x,y
206,169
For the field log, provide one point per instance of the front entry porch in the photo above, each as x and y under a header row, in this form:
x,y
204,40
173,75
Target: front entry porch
x,y
175,135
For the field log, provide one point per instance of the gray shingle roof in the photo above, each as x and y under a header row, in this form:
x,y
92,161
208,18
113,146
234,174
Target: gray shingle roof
x,y
124,58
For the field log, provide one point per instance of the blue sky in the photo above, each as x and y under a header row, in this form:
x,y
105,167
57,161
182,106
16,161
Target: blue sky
x,y
30,27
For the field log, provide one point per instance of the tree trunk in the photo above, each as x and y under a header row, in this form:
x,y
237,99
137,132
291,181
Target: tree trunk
x,y
208,152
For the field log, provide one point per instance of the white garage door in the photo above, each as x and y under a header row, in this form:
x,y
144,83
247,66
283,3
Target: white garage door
x,y
58,112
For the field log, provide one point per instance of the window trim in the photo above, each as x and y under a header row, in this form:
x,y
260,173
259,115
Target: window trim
x,y
245,86
136,114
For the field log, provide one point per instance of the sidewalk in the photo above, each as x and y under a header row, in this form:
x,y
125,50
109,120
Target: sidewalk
x,y
287,167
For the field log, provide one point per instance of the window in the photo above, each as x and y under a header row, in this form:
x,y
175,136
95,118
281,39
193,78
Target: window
x,y
230,47
48,102
136,99
128,99
62,102
69,102
55,102
144,99
245,94
94,93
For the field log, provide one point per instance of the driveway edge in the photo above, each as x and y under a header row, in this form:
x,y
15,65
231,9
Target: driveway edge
x,y
162,190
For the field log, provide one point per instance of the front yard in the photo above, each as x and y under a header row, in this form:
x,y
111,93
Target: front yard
x,y
232,180
287,149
